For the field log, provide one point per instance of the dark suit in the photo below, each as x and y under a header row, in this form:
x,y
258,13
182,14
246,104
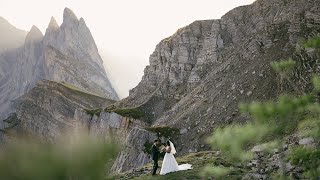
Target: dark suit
x,y
155,157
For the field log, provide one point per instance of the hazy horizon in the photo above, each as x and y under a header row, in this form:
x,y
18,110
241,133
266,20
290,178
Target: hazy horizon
x,y
126,32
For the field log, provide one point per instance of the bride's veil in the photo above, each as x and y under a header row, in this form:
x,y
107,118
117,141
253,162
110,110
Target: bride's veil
x,y
173,149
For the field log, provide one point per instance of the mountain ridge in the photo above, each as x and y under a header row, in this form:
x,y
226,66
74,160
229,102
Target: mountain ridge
x,y
65,53
11,37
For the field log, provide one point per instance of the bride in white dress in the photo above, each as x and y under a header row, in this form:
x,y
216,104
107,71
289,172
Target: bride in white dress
x,y
169,163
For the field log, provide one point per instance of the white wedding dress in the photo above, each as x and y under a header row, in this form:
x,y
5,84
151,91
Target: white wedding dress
x,y
170,164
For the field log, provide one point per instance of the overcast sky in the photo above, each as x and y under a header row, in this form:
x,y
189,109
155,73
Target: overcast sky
x,y
126,31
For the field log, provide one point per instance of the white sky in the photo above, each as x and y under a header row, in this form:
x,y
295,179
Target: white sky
x,y
126,31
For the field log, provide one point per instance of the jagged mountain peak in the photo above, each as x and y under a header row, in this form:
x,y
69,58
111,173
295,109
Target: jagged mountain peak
x,y
34,35
3,21
11,37
53,24
82,21
68,15
65,53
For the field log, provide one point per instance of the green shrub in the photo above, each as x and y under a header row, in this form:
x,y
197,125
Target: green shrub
x,y
83,158
93,112
308,158
271,123
131,113
283,66
147,147
164,131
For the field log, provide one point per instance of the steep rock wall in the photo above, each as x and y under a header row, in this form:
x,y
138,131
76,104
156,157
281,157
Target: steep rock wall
x,y
198,76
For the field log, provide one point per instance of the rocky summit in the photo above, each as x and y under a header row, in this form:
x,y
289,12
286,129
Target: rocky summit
x,y
66,53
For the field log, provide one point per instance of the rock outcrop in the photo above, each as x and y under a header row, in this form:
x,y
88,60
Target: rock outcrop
x,y
107,125
197,77
52,110
134,154
48,110
64,54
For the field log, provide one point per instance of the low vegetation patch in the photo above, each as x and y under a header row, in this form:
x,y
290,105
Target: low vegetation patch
x,y
198,160
147,147
85,158
131,113
79,91
164,131
93,112
12,121
272,121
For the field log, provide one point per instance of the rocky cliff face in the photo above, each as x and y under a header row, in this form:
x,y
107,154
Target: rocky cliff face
x,y
52,110
71,51
134,154
197,77
47,111
65,54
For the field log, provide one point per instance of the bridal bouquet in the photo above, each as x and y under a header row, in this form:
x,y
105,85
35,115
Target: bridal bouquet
x,y
162,148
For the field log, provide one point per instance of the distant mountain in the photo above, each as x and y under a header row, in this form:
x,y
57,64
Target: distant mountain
x,y
11,37
66,53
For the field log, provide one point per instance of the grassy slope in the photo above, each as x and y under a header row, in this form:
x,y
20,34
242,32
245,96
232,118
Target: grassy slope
x,y
198,160
78,90
131,113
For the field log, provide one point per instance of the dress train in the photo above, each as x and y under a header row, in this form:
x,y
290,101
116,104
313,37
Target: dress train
x,y
170,164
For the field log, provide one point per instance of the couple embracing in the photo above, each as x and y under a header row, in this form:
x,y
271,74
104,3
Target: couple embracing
x,y
169,163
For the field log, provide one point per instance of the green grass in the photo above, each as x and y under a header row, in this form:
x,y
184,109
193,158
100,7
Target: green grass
x,y
198,160
131,113
147,147
164,131
80,157
78,90
93,112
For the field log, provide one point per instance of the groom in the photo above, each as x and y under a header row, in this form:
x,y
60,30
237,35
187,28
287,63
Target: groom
x,y
155,155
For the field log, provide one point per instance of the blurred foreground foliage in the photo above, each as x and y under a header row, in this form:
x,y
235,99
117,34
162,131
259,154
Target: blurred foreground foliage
x,y
272,123
78,158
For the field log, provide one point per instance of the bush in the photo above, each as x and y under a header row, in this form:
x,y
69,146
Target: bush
x,y
272,122
93,112
164,131
82,158
308,158
131,113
